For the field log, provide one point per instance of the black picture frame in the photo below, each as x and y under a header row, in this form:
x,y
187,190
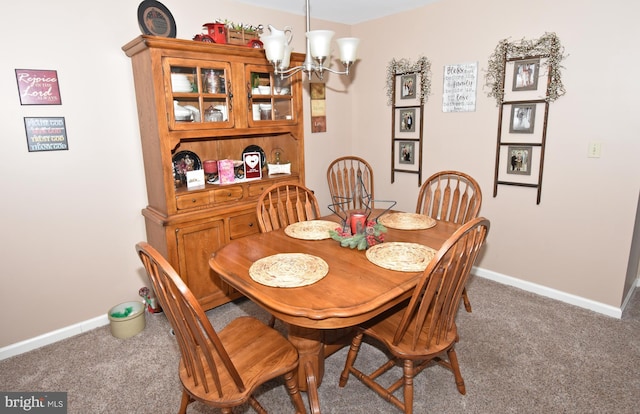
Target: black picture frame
x,y
46,134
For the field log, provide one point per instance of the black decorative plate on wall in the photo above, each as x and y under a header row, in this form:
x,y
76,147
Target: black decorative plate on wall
x,y
155,19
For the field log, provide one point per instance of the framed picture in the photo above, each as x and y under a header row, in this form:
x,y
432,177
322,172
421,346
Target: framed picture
x,y
408,85
408,89
525,75
406,155
520,159
523,117
406,122
38,87
46,134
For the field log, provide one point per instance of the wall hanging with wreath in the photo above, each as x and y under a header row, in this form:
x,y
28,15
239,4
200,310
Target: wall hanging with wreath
x,y
408,88
524,77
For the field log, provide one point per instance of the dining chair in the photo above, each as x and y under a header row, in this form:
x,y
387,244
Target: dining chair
x,y
451,196
221,369
351,183
422,329
285,203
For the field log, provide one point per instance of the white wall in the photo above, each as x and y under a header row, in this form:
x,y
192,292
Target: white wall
x,y
70,219
577,240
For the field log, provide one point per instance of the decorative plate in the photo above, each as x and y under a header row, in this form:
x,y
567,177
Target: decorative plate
x,y
255,148
185,161
288,270
155,19
401,256
407,221
311,229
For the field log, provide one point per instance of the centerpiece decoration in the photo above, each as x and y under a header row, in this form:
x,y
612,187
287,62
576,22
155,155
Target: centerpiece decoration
x,y
372,234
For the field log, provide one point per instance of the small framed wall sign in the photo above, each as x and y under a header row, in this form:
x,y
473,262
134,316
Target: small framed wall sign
x,y
38,87
46,134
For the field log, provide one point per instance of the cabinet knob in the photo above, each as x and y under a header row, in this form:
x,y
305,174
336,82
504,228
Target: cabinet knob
x,y
250,224
193,200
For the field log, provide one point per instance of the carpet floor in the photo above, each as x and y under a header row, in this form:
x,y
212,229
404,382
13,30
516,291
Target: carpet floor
x,y
518,353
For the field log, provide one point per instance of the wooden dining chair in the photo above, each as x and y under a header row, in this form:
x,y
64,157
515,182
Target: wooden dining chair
x,y
221,369
451,196
285,203
351,183
423,329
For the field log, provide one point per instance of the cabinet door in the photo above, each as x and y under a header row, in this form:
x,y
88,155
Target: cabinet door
x,y
195,244
198,94
271,98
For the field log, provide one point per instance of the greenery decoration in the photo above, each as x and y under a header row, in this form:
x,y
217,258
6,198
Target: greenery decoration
x,y
547,46
372,235
404,66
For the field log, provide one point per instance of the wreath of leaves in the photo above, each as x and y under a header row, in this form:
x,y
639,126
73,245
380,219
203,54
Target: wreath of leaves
x,y
404,66
548,46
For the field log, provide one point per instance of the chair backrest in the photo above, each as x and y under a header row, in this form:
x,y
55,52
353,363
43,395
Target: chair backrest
x,y
284,204
203,355
432,309
450,196
351,181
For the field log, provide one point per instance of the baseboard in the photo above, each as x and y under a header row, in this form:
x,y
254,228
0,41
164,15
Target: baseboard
x,y
551,293
69,331
51,337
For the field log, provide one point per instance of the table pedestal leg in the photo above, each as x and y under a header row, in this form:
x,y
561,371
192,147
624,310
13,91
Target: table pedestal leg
x,y
311,356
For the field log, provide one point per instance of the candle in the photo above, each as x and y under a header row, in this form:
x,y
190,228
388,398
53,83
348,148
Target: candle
x,y
358,223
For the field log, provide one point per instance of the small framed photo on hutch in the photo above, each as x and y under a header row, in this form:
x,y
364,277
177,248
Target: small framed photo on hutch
x,y
523,118
46,134
38,87
525,75
406,155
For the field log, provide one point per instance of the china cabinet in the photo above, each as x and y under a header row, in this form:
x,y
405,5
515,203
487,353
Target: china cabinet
x,y
210,102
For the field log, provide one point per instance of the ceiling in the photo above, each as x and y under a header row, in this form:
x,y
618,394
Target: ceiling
x,y
342,11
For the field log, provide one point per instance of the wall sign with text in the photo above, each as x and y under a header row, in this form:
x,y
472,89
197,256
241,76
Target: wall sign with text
x,y
38,87
46,134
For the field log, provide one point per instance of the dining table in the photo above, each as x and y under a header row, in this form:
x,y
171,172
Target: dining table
x,y
320,316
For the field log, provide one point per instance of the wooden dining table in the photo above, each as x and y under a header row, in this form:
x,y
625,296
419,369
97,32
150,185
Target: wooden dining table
x,y
318,315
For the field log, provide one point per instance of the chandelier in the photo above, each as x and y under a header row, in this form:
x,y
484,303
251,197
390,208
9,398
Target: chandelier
x,y
278,52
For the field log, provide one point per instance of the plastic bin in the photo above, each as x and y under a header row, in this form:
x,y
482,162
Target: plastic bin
x,y
127,326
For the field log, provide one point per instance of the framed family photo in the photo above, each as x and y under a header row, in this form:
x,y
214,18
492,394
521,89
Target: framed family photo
x,y
406,155
525,75
407,89
519,159
406,123
523,117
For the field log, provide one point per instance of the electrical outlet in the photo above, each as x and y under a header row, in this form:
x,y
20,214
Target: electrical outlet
x,y
595,149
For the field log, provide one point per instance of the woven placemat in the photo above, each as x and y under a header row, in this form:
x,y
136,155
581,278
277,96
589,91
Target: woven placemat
x,y
288,270
311,229
407,221
401,256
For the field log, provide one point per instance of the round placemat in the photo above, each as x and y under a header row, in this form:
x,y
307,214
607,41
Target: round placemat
x,y
288,270
311,229
407,221
401,256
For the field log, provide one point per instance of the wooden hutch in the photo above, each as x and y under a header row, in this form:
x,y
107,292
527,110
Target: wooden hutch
x,y
178,84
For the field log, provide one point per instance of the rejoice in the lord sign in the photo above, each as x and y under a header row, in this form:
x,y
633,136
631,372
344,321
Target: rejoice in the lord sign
x,y
460,87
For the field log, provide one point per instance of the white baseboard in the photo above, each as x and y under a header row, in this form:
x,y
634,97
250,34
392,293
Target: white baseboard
x,y
51,337
69,331
551,293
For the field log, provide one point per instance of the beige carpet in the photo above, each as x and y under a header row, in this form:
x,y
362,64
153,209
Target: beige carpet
x,y
518,352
